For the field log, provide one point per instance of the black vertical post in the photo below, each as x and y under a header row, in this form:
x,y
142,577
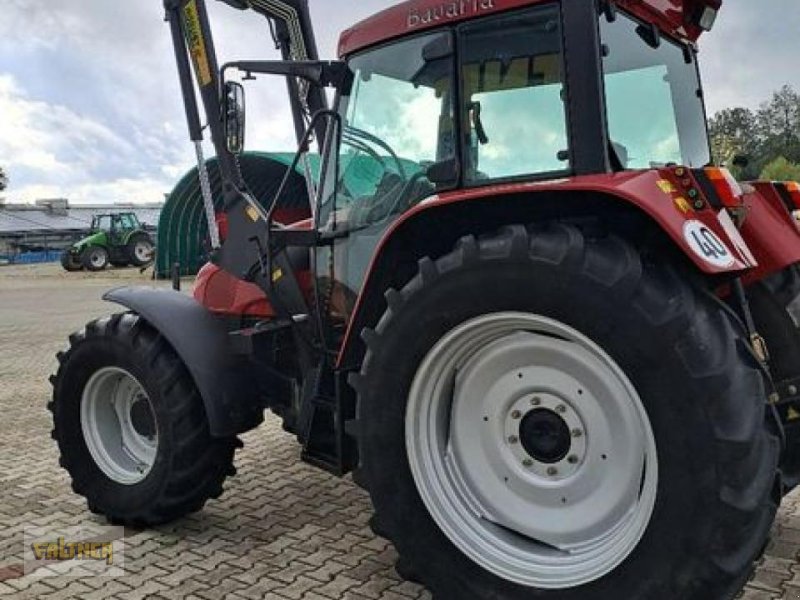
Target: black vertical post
x,y
185,74
589,144
176,277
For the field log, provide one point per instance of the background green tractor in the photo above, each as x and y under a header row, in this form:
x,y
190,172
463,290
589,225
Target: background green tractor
x,y
116,239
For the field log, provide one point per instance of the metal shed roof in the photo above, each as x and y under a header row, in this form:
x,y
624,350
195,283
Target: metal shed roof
x,y
20,220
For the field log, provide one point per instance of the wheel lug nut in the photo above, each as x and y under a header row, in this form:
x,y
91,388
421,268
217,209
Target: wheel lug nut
x,y
576,433
527,462
516,415
513,440
552,471
536,401
573,460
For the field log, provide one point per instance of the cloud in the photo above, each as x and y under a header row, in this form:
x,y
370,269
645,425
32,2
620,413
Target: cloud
x,y
51,150
751,52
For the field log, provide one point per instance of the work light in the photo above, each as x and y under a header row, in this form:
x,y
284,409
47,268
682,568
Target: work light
x,y
707,18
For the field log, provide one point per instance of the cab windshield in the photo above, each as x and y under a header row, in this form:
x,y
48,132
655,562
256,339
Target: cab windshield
x,y
654,99
397,123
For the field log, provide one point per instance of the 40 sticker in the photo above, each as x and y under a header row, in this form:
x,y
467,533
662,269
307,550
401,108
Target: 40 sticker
x,y
707,245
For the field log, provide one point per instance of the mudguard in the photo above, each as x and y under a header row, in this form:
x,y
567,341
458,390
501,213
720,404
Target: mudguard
x,y
222,377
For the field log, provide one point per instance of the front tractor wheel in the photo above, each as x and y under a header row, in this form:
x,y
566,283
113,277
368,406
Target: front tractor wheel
x,y
131,426
70,262
543,415
95,258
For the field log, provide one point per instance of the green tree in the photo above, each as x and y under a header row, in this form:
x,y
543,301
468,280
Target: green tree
x,y
3,179
779,125
734,132
781,169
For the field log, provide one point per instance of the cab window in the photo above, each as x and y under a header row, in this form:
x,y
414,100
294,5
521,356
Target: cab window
x,y
397,123
514,113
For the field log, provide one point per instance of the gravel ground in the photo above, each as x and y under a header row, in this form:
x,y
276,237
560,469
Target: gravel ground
x,y
282,530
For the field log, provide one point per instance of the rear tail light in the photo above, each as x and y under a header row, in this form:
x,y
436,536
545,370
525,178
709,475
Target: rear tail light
x,y
793,189
725,185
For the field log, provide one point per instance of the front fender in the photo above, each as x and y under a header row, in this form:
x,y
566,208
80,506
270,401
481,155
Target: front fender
x,y
223,379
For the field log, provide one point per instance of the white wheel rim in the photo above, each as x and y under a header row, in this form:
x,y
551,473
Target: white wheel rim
x,y
112,401
544,524
98,259
142,251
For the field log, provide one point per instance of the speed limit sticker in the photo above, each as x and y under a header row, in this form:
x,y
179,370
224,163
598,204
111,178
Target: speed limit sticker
x,y
707,245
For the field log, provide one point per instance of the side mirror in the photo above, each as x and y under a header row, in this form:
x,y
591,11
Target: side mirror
x,y
233,107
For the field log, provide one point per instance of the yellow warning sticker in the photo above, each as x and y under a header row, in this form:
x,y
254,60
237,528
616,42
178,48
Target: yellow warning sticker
x,y
792,414
252,213
666,186
197,44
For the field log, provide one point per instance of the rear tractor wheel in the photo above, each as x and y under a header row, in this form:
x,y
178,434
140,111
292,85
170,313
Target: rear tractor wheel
x,y
541,415
95,258
140,250
131,426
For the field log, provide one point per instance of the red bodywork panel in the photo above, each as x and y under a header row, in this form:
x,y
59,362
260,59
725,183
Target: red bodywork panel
x,y
674,17
223,294
771,231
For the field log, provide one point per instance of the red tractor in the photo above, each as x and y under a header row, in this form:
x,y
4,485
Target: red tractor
x,y
553,343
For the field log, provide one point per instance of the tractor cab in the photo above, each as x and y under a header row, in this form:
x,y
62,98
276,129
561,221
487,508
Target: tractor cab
x,y
116,225
434,101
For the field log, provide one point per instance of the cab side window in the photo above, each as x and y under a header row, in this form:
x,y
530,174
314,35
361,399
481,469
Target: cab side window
x,y
514,113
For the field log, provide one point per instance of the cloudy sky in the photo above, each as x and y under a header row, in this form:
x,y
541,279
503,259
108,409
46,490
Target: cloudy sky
x,y
90,107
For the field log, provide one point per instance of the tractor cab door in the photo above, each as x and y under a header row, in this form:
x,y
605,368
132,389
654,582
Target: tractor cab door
x,y
397,147
117,231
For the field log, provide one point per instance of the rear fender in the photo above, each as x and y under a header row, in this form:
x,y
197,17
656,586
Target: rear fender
x,y
224,379
714,247
770,230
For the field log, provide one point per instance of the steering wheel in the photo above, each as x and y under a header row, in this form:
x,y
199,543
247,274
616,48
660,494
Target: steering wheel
x,y
364,135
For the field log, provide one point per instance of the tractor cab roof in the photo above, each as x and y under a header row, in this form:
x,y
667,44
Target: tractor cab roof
x,y
683,19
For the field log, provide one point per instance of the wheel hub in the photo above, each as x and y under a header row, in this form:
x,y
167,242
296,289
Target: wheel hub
x,y
142,419
545,436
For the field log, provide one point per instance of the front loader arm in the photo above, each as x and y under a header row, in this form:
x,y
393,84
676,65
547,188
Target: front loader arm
x,y
195,50
249,251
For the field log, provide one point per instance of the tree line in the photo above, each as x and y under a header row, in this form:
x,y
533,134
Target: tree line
x,y
768,137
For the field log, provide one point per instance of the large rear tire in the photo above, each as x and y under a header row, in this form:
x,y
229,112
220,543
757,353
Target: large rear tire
x,y
140,250
545,374
131,426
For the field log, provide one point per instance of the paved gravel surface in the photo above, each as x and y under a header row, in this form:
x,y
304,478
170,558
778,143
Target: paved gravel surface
x,y
282,530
